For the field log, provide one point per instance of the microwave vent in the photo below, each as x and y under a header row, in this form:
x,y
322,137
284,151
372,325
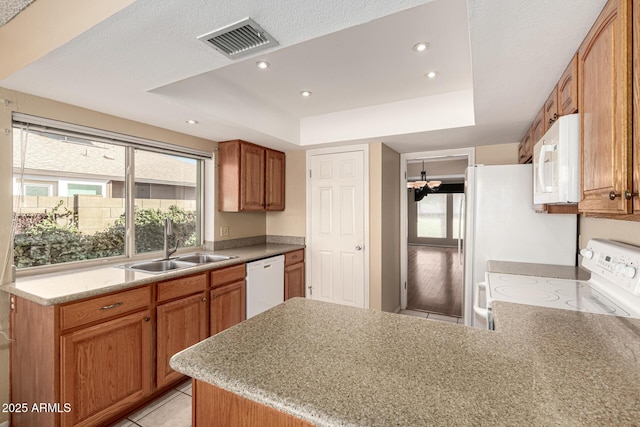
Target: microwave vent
x,y
239,39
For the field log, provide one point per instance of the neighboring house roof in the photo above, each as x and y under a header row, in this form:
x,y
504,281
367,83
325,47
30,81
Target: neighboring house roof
x,y
97,160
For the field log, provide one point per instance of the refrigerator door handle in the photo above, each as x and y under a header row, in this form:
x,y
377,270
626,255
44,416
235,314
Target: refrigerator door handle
x,y
460,230
476,300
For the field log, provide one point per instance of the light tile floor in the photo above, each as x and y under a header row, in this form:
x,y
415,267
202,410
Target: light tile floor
x,y
173,409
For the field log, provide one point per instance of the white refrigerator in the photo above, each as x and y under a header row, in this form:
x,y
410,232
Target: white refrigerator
x,y
501,225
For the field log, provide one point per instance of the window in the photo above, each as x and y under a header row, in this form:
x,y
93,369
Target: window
x,y
432,216
71,203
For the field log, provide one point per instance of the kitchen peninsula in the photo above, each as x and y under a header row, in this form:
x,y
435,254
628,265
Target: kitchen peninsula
x,y
323,364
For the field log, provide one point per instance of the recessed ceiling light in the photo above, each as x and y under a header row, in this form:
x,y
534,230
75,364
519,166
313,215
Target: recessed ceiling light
x,y
192,122
305,93
421,47
431,74
263,65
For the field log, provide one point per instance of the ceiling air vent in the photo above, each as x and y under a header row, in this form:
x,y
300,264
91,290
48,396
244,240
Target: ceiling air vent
x,y
239,39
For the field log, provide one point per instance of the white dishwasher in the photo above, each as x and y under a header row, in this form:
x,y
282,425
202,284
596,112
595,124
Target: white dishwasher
x,y
265,284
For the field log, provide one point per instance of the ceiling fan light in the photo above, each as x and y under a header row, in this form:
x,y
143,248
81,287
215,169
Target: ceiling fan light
x,y
434,184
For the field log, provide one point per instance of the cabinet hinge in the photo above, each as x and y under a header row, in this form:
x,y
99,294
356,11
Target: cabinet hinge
x,y
405,286
310,290
309,173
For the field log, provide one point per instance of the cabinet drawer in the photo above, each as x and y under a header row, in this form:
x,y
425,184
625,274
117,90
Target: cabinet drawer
x,y
293,257
181,287
227,275
84,312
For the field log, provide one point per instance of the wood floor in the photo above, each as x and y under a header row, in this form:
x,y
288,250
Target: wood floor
x,y
434,280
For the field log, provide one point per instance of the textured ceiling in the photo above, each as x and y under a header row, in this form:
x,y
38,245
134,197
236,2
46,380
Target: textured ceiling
x,y
497,61
10,8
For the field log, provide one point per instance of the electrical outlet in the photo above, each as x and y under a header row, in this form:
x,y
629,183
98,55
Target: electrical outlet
x,y
224,231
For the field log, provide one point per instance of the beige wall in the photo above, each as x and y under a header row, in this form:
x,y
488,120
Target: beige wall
x,y
33,105
622,231
384,228
292,221
499,154
390,230
375,225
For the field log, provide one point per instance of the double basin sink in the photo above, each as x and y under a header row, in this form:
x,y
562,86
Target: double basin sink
x,y
164,265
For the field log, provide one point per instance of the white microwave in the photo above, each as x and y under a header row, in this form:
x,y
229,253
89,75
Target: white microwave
x,y
556,163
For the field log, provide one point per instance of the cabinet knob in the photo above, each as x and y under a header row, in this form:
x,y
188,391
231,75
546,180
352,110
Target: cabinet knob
x,y
215,297
627,195
204,300
147,318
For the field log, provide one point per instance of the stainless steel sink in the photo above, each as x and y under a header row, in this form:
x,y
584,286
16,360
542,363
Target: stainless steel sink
x,y
159,266
204,258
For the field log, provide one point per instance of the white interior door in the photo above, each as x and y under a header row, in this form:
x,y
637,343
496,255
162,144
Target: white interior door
x,y
337,228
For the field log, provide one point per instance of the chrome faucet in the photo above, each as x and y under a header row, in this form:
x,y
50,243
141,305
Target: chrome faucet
x,y
168,231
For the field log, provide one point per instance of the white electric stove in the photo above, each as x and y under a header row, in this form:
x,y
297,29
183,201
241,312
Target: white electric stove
x,y
612,290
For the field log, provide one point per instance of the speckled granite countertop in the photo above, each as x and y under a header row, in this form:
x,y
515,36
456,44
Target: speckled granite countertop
x,y
61,287
335,365
541,270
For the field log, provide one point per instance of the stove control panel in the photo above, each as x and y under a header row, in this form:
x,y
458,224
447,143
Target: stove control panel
x,y
617,262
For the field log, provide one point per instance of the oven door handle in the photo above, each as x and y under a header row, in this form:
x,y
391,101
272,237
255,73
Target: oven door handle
x,y
476,300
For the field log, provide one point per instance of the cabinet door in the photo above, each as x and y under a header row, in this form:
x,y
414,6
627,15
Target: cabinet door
x,y
294,281
568,89
227,306
105,368
525,149
252,177
275,180
181,324
604,81
636,106
551,109
537,129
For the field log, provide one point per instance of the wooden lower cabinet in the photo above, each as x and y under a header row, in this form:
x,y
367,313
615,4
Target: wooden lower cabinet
x,y
213,406
228,306
105,368
294,274
180,324
227,296
294,281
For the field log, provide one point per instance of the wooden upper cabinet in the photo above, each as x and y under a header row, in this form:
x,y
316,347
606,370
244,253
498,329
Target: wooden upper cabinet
x,y
550,110
567,89
275,180
636,105
604,89
537,129
250,177
525,150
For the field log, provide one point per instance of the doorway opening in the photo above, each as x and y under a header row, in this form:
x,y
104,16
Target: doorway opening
x,y
432,216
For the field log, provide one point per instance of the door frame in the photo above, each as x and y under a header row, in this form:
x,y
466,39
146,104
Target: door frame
x,y
309,241
470,153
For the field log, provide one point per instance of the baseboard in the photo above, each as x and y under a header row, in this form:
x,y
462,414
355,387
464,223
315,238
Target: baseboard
x,y
396,311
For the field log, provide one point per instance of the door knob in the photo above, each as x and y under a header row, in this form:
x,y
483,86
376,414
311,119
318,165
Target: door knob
x,y
358,247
